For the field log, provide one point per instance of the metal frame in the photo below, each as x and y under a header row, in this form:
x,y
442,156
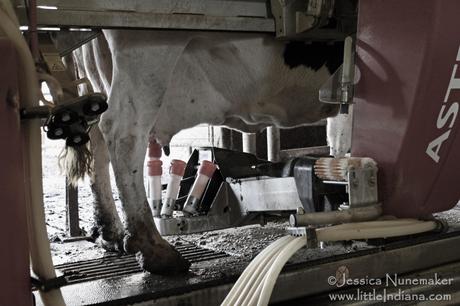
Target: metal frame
x,y
266,194
52,59
217,15
237,203
296,16
339,88
288,19
305,278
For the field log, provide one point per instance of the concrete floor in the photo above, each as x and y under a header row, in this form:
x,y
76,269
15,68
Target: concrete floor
x,y
212,279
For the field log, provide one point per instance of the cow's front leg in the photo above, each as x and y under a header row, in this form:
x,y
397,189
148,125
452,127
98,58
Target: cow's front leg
x,y
127,147
108,227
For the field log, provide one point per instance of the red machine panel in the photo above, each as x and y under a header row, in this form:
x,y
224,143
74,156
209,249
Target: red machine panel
x,y
14,252
407,102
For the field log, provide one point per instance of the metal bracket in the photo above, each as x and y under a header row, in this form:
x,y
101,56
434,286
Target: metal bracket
x,y
72,116
67,41
362,186
339,88
48,284
311,19
358,175
224,212
293,17
308,232
70,120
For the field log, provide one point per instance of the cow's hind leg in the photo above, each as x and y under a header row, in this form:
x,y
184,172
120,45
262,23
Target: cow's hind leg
x,y
108,227
127,145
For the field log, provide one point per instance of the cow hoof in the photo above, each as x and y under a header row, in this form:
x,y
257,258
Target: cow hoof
x,y
162,259
111,246
131,244
108,239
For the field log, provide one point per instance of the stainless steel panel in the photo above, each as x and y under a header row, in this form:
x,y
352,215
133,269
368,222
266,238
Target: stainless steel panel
x,y
266,194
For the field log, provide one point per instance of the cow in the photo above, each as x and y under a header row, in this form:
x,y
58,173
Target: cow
x,y
160,82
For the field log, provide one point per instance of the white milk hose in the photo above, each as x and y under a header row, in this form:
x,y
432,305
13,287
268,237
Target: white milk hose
x,y
256,283
272,274
246,279
40,253
374,229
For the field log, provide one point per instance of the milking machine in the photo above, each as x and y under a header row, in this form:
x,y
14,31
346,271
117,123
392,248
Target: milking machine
x,y
405,122
245,189
221,188
69,116
260,187
204,174
199,196
397,200
70,120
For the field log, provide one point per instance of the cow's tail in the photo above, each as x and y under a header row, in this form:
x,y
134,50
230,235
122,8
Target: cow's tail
x,y
76,163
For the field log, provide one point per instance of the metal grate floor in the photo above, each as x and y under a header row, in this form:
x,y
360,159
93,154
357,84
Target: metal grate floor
x,y
118,265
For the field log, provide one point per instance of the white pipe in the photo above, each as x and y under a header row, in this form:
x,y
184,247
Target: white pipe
x,y
8,9
251,296
238,286
205,173
199,186
373,224
338,233
255,296
176,171
348,68
155,187
154,175
257,275
257,283
272,274
9,27
42,264
365,213
172,191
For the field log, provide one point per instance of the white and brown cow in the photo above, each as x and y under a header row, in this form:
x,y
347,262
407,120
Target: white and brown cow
x,y
160,82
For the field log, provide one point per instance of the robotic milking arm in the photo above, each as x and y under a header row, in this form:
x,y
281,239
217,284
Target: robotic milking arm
x,y
244,188
389,94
